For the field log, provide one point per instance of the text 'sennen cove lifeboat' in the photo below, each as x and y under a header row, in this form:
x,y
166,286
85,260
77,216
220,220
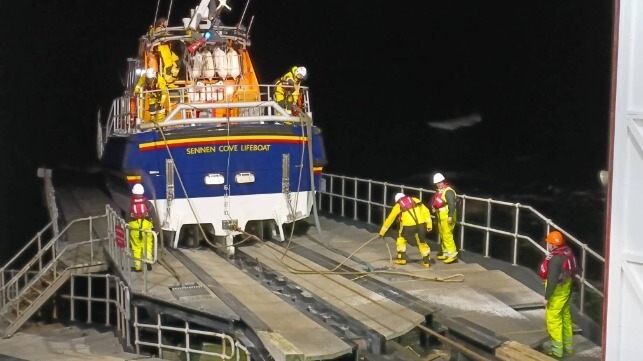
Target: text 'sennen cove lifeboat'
x,y
214,151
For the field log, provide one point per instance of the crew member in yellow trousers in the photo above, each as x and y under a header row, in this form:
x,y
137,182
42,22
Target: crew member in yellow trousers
x,y
444,205
156,93
287,89
141,223
557,270
415,221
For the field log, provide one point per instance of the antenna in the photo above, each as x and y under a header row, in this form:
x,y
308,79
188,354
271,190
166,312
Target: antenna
x,y
250,25
243,15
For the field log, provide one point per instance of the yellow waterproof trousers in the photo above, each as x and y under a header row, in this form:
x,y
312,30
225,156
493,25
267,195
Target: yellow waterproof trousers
x,y
445,228
559,319
142,242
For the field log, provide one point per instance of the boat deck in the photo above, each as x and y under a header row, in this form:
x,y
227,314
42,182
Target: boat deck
x,y
283,290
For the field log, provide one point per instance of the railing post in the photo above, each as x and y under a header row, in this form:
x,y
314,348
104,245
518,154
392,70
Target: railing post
x,y
462,220
355,199
487,234
582,284
332,194
343,214
370,198
514,259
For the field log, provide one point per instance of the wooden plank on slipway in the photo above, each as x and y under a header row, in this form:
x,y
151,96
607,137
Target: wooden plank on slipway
x,y
371,309
293,330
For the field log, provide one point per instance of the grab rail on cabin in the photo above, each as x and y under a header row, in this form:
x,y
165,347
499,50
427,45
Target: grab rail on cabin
x,y
204,104
510,232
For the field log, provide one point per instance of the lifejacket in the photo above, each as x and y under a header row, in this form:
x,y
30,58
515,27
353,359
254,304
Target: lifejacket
x,y
439,198
406,203
150,84
569,264
138,207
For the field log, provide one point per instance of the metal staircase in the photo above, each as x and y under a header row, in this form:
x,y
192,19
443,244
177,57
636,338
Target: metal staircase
x,y
70,252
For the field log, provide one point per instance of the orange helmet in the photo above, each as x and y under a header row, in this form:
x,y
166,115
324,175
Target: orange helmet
x,y
555,238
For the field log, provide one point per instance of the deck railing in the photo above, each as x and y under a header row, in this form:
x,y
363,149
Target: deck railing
x,y
207,104
120,250
37,257
510,232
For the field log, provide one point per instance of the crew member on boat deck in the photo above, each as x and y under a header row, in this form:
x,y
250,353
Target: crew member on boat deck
x,y
142,217
170,60
557,270
443,204
287,90
415,222
156,93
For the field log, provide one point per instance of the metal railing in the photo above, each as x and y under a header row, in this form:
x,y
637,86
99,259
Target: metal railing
x,y
120,249
39,259
207,104
510,232
109,300
184,341
12,270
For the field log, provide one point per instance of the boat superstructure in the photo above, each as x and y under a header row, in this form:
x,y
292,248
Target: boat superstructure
x,y
223,155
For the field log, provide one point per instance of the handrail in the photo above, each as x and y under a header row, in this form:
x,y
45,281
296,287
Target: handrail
x,y
56,274
227,103
23,250
50,247
118,245
510,235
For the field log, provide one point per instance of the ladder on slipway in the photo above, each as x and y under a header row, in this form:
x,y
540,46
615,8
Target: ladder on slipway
x,y
25,288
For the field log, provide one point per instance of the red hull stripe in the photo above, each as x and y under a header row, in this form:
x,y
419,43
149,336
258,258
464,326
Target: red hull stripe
x,y
220,140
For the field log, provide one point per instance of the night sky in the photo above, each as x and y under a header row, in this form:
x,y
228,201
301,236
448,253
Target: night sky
x,y
538,73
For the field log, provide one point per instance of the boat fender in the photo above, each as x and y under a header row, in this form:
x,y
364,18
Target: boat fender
x,y
197,66
208,65
234,67
220,63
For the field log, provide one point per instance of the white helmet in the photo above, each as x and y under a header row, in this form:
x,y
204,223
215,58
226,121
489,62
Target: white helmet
x,y
138,189
399,196
150,73
438,177
301,71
